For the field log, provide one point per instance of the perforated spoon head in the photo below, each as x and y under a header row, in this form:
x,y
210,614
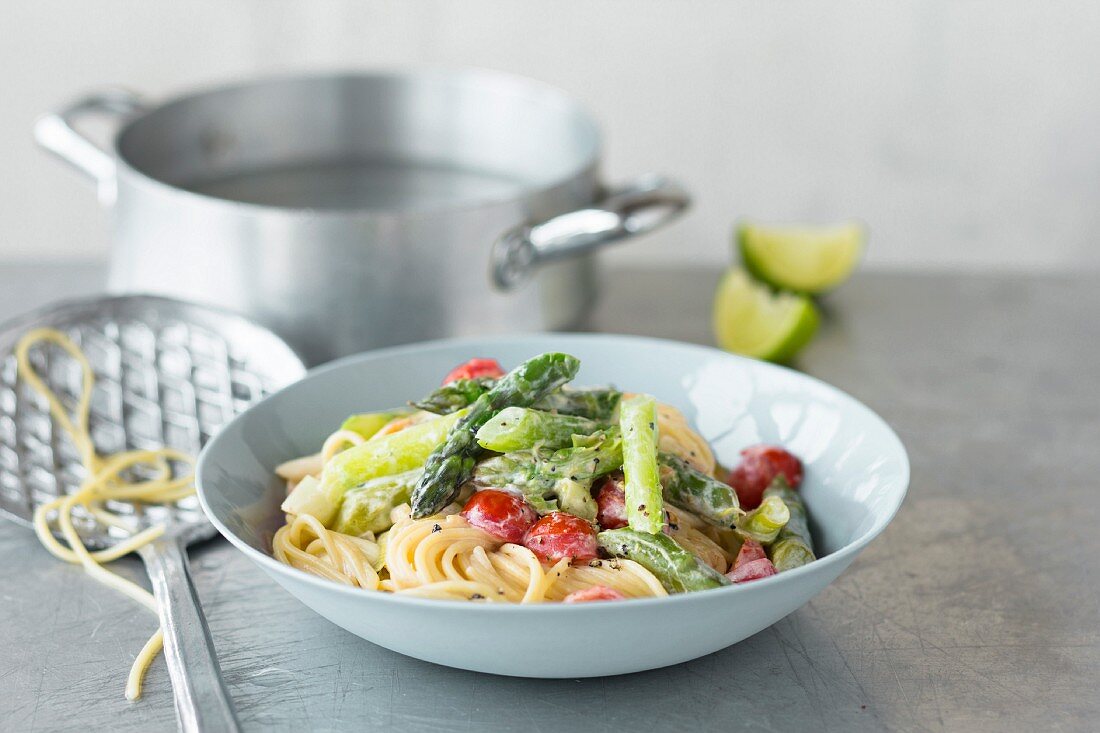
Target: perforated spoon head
x,y
167,374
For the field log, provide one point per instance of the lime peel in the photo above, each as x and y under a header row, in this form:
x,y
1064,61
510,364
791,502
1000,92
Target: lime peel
x,y
801,258
752,320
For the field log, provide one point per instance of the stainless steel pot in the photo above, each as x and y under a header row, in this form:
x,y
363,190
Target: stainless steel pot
x,y
353,211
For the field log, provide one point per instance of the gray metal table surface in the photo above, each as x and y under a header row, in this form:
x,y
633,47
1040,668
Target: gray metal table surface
x,y
978,609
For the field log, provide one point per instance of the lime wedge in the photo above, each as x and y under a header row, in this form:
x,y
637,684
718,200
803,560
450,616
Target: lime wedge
x,y
750,319
805,259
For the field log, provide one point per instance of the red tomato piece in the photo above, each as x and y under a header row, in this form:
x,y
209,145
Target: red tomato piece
x,y
759,466
501,514
754,570
594,593
750,551
611,503
474,369
559,535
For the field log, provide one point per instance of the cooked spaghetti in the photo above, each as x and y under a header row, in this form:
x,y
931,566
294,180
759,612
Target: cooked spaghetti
x,y
445,557
514,488
108,478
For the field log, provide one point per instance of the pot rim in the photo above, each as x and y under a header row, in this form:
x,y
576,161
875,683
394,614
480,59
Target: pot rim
x,y
586,168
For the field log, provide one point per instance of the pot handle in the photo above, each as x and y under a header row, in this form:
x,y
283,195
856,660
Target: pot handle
x,y
644,204
57,133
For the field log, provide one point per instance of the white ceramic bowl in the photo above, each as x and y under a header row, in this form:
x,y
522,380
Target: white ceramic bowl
x,y
856,476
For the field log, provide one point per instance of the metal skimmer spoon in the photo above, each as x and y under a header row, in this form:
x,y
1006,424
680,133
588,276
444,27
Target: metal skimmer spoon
x,y
168,374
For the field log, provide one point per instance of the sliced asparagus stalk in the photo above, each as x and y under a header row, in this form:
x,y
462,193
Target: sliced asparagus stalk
x,y
452,463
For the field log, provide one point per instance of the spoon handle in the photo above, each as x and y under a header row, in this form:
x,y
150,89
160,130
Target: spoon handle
x,y
202,701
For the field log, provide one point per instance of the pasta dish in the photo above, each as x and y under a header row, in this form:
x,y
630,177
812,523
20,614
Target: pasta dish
x,y
517,487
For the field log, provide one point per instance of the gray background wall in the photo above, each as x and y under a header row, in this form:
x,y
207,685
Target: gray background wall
x,y
965,132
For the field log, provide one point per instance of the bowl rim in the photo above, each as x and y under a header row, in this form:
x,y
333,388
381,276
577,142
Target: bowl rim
x,y
841,557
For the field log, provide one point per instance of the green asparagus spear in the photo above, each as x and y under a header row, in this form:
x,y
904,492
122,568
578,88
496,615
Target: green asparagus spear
x,y
764,522
519,470
565,475
520,428
575,497
455,395
678,570
541,504
793,546
385,456
644,505
596,403
366,508
712,500
453,462
608,437
369,423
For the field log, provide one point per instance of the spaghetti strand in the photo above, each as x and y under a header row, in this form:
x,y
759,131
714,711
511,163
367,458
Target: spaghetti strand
x,y
444,557
105,481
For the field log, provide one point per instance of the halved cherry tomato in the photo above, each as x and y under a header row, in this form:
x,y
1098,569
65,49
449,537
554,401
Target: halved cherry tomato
x,y
559,535
611,502
474,369
754,570
501,514
752,563
759,466
594,593
751,550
